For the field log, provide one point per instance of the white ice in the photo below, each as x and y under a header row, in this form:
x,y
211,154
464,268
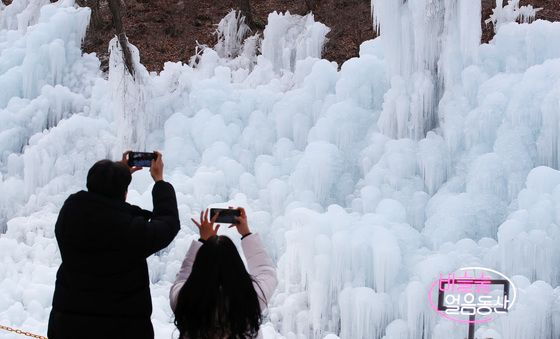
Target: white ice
x,y
511,12
427,153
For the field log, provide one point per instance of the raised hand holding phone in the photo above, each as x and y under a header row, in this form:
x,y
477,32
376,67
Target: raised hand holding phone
x,y
241,222
156,167
125,160
205,226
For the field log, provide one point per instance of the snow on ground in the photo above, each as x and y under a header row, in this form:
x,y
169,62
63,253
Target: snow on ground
x,y
427,153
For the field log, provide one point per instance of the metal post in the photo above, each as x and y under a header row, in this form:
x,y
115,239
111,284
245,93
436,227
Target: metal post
x,y
471,326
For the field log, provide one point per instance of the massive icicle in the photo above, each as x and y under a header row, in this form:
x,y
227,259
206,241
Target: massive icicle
x,y
427,43
134,115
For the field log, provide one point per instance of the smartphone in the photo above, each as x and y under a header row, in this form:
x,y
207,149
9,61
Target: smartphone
x,y
226,216
140,159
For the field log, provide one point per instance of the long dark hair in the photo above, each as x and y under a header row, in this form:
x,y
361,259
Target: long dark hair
x,y
218,299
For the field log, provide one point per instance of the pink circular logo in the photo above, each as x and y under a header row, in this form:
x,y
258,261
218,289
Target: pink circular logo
x,y
477,292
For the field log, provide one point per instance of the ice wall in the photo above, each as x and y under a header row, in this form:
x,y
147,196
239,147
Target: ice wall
x,y
360,222
44,79
477,165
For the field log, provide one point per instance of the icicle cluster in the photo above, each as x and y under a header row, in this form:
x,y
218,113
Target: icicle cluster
x,y
289,38
511,12
130,100
232,31
427,43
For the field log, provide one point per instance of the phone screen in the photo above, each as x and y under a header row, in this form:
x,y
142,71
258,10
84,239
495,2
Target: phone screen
x,y
226,216
140,159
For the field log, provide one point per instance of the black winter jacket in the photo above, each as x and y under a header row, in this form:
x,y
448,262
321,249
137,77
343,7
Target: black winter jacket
x,y
102,285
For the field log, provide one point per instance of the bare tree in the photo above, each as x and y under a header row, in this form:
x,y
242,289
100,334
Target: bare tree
x,y
115,7
245,6
95,12
96,20
310,4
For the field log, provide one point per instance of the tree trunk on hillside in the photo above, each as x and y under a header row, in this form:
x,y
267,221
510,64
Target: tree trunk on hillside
x,y
245,7
96,13
310,5
115,7
96,21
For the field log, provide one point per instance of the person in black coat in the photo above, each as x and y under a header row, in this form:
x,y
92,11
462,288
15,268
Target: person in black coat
x,y
102,285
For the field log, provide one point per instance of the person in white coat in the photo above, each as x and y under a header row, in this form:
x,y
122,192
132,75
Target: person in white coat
x,y
213,295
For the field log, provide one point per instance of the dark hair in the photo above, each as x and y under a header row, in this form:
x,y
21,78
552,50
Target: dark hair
x,y
218,299
109,178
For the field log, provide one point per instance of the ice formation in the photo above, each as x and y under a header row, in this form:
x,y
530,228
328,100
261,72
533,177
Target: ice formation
x,y
427,42
427,153
130,100
511,12
289,38
231,32
236,47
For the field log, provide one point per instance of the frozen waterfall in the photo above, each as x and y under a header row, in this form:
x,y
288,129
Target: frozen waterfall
x,y
427,153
